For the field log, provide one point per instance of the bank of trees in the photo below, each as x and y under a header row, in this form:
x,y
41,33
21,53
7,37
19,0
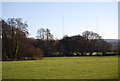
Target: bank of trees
x,y
77,45
17,45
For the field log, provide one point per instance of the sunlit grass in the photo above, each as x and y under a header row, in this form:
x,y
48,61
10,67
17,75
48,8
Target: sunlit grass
x,y
103,67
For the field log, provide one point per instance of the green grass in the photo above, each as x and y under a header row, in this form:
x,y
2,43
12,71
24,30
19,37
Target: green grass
x,y
103,67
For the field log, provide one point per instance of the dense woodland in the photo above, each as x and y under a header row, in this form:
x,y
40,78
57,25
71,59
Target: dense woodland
x,y
16,45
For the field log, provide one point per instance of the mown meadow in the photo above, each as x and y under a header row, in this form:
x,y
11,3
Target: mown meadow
x,y
94,67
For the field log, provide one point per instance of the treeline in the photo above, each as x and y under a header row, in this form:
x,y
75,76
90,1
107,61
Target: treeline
x,y
15,42
85,45
16,45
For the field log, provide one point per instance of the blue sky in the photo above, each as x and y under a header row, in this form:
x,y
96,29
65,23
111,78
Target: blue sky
x,y
78,17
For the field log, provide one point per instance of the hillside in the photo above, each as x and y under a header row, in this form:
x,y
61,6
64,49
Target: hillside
x,y
111,40
114,42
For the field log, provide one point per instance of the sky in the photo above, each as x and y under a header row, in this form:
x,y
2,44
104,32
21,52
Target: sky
x,y
66,18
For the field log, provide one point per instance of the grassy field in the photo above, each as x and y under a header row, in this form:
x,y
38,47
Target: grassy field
x,y
103,67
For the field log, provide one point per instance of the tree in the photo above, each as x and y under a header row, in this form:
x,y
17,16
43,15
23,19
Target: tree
x,y
44,34
15,42
104,47
18,31
49,36
6,41
65,43
74,45
78,44
92,40
46,38
41,34
29,51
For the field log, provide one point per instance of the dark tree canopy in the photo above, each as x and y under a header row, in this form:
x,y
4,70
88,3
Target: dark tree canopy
x,y
14,35
17,44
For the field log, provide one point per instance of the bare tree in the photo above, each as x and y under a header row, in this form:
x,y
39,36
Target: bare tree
x,y
49,36
14,30
41,34
44,34
92,40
